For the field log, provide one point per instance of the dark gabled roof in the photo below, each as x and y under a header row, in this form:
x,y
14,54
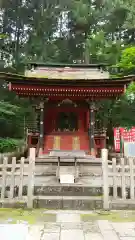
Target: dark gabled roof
x,y
26,86
21,79
40,64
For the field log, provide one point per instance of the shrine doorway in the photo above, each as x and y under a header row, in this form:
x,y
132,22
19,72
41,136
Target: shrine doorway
x,y
66,129
67,122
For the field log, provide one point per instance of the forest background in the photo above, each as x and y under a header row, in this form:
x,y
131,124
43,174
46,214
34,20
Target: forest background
x,y
66,31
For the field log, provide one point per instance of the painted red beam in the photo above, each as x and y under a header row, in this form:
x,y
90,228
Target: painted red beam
x,y
73,97
72,90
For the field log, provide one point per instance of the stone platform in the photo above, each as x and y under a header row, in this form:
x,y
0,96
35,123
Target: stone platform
x,y
69,225
68,197
84,194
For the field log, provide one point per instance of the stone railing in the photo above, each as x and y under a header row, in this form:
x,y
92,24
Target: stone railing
x,y
119,175
13,194
17,153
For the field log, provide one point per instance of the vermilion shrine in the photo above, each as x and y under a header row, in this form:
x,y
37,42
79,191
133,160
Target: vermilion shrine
x,y
66,97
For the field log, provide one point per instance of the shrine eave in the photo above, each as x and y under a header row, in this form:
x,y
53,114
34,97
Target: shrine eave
x,y
21,79
59,91
86,88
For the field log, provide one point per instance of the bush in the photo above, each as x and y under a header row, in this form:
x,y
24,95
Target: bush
x,y
9,144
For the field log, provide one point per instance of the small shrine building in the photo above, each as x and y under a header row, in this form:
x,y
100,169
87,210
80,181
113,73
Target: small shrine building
x,y
65,97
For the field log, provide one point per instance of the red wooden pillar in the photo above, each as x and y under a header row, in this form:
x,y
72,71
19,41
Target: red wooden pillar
x,y
92,128
87,119
41,133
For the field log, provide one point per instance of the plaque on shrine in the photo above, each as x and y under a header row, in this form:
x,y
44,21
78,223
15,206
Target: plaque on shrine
x,y
66,178
59,153
129,149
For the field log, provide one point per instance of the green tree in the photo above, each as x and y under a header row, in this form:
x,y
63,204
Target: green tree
x,y
65,31
126,64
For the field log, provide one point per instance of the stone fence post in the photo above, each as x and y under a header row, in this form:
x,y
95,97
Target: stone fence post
x,y
104,156
31,171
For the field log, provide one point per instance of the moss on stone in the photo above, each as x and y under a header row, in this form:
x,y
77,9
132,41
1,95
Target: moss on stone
x,y
117,216
10,215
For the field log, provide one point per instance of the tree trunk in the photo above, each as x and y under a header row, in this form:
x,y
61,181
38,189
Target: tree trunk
x,y
3,30
86,51
17,33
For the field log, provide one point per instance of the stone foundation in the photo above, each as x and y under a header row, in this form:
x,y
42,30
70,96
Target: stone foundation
x,y
122,206
67,191
66,204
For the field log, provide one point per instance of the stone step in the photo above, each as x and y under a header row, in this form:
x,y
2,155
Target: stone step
x,y
68,202
66,190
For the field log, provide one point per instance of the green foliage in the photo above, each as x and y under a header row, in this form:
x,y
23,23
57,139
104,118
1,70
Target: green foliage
x,y
131,90
127,61
3,36
66,31
13,112
123,113
8,109
116,113
9,145
57,32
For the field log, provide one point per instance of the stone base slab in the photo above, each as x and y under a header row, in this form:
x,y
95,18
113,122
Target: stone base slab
x,y
67,191
68,204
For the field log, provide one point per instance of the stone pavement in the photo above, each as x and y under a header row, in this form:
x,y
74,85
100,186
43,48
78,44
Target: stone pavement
x,y
68,226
